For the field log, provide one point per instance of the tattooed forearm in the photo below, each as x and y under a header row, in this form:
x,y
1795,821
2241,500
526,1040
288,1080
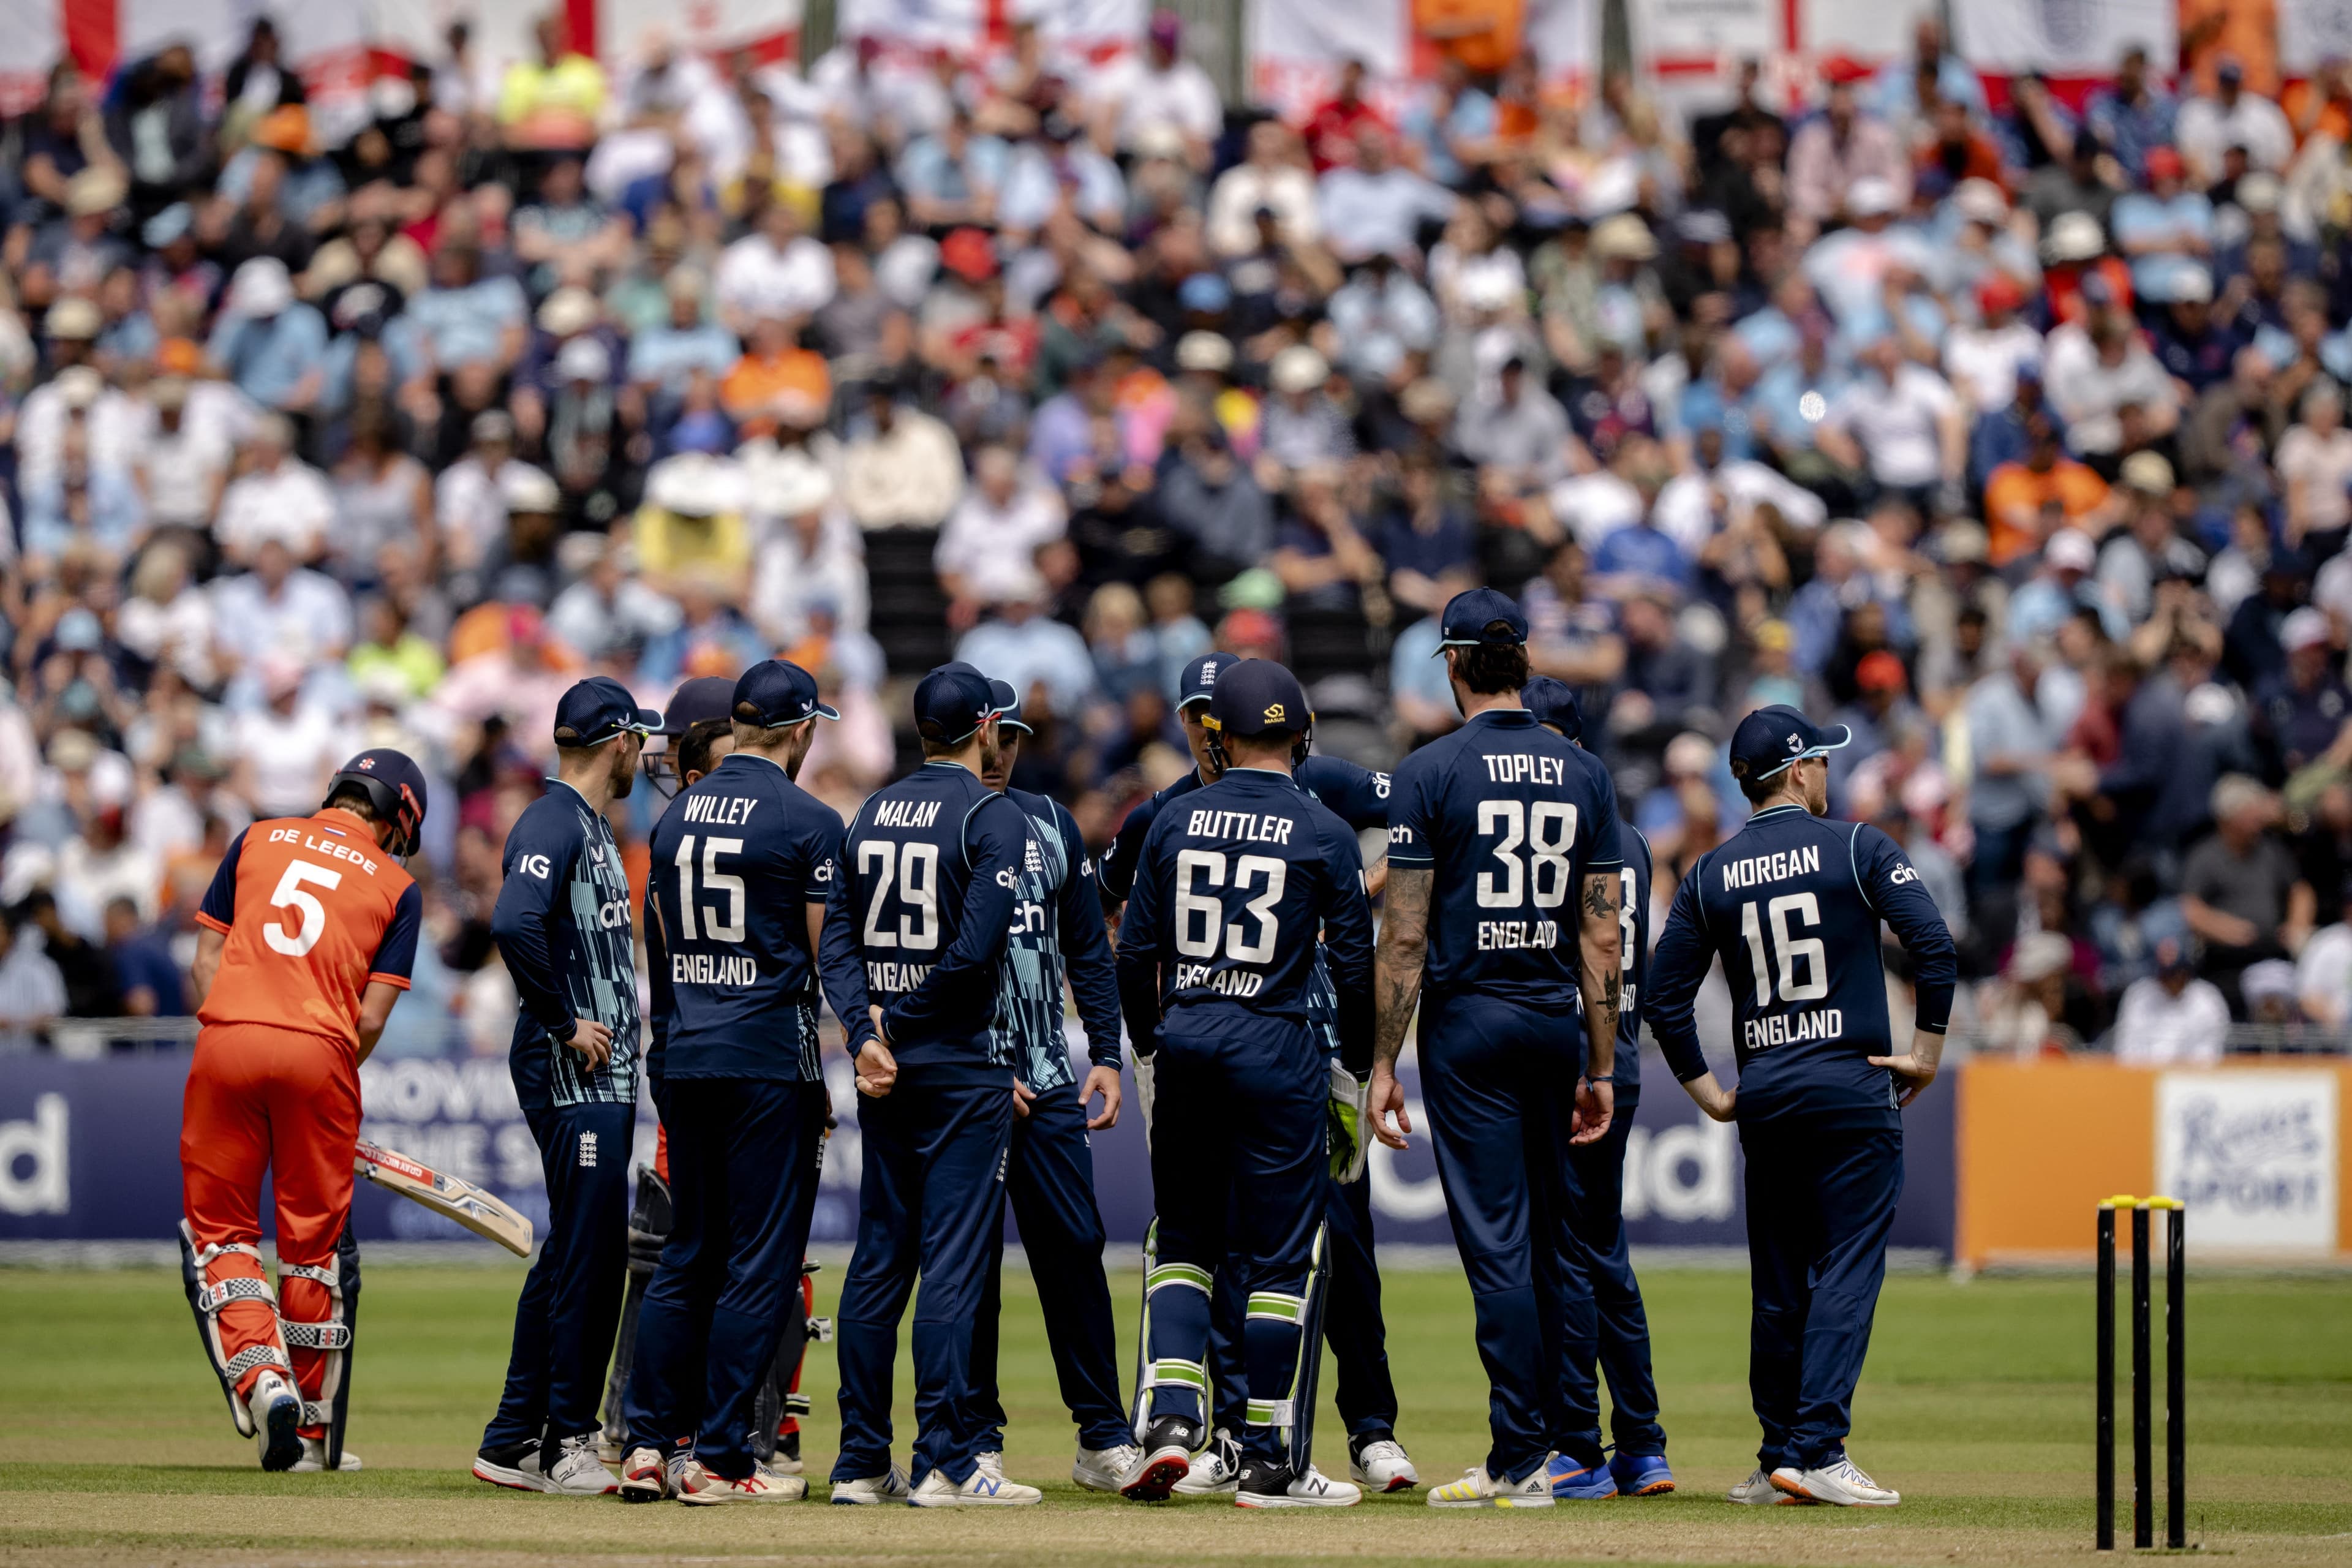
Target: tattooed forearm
x,y
1397,963
1601,972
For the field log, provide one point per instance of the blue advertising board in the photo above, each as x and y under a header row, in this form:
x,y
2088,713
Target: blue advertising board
x,y
89,1151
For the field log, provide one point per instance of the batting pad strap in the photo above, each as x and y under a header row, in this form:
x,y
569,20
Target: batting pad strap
x,y
1270,1412
205,1256
326,1276
1170,1374
242,1288
1277,1306
251,1356
1164,1275
301,1336
318,1412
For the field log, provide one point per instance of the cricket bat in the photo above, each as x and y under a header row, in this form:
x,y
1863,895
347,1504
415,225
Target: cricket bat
x,y
468,1204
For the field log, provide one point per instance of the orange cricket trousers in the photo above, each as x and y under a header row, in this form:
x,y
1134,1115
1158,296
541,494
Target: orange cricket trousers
x,y
289,1103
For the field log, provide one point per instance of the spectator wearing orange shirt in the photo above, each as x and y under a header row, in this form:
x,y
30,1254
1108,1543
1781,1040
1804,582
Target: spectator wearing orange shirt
x,y
2027,500
776,380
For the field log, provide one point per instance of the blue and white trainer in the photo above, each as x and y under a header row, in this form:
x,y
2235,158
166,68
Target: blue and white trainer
x,y
1641,1475
867,1490
1573,1483
1840,1483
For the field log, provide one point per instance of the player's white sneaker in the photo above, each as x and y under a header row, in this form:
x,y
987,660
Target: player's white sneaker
x,y
1383,1466
643,1477
1758,1491
865,1490
1107,1469
992,1460
314,1459
1264,1485
1477,1488
980,1489
698,1488
1841,1483
577,1472
1215,1469
277,1412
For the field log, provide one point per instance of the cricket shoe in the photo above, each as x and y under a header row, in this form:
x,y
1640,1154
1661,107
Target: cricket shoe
x,y
1477,1488
980,1489
314,1459
643,1477
992,1460
609,1449
577,1472
1573,1483
1382,1465
1165,1462
1110,1469
1216,1469
865,1490
1758,1491
1641,1475
698,1488
787,1461
1267,1484
277,1412
1840,1483
514,1465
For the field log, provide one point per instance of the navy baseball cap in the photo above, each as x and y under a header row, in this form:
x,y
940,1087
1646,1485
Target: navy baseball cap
x,y
1769,738
1470,615
1257,697
952,703
1553,703
1008,706
704,697
395,787
776,692
1200,677
597,709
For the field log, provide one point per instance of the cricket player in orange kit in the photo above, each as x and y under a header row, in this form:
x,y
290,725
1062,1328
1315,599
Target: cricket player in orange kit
x,y
309,930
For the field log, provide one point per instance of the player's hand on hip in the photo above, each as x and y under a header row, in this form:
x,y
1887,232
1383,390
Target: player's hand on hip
x,y
1915,1074
1023,1098
1102,1080
593,1040
877,1069
1596,1103
1388,1096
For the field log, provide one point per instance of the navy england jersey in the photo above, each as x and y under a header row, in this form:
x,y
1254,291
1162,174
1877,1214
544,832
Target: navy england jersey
x,y
1512,818
1358,795
737,858
1633,935
933,869
1063,938
562,922
1792,905
1237,884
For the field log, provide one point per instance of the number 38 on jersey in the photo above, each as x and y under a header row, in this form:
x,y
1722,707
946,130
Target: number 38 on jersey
x,y
1532,849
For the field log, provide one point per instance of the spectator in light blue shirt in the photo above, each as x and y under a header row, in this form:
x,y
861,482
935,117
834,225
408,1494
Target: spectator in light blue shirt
x,y
2164,230
273,346
1381,315
468,318
79,503
665,357
1036,176
951,177
1377,206
1452,114
1895,93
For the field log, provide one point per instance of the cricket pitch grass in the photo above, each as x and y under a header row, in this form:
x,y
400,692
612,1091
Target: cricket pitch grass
x,y
1977,1405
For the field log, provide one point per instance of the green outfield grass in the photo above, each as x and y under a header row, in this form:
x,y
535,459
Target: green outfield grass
x,y
1977,1405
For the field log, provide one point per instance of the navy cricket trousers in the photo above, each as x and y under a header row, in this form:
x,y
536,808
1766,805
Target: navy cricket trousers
x,y
1050,1182
1352,1327
743,1158
1820,1203
1498,1082
1238,1174
1602,1319
930,1202
571,1304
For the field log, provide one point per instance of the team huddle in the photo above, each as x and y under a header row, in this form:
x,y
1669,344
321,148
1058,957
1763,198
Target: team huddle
x,y
1229,933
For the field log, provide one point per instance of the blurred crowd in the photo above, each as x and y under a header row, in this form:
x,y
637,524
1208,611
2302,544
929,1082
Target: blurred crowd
x,y
2011,436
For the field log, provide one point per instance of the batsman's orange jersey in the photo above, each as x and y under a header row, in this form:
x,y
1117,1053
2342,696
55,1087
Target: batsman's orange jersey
x,y
313,910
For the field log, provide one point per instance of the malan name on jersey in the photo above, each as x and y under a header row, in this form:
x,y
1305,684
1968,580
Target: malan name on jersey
x,y
907,814
1772,867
